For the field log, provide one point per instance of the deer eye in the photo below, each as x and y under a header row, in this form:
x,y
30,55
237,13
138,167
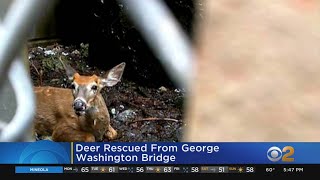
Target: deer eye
x,y
72,86
94,87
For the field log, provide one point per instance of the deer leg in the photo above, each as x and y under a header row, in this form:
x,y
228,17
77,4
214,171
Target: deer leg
x,y
111,133
65,133
77,136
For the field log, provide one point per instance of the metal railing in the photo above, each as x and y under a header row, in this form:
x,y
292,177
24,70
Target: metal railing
x,y
155,21
14,30
165,36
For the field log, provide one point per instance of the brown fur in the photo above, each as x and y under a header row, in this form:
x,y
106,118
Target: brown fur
x,y
55,117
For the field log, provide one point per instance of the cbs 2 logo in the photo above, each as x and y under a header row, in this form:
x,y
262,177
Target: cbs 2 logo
x,y
274,154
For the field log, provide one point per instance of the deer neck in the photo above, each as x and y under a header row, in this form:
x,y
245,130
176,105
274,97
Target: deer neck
x,y
96,119
99,103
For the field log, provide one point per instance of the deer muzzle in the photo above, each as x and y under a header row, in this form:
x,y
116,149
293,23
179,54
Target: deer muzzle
x,y
79,106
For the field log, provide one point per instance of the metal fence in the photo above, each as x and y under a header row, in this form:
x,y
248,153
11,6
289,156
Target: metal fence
x,y
18,17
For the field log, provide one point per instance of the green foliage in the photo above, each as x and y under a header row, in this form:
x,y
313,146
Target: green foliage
x,y
84,50
52,63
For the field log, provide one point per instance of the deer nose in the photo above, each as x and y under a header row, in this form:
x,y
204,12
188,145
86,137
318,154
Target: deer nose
x,y
79,105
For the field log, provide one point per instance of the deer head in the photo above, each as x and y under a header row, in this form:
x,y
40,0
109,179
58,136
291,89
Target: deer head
x,y
86,88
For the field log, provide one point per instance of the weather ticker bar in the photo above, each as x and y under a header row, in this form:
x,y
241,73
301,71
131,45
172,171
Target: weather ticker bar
x,y
161,169
158,169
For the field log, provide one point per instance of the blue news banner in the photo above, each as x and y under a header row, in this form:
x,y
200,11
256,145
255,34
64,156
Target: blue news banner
x,y
48,152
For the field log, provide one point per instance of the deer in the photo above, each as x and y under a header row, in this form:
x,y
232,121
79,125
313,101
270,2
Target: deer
x,y
78,113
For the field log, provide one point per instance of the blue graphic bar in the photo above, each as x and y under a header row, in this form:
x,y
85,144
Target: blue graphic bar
x,y
40,152
191,153
197,153
39,169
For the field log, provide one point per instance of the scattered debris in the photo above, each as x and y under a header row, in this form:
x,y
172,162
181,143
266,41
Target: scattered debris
x,y
156,119
162,89
127,115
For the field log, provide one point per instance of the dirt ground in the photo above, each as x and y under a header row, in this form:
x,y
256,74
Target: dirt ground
x,y
138,113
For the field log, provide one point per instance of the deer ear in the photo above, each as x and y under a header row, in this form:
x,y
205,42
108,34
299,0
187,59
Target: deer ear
x,y
113,76
69,70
